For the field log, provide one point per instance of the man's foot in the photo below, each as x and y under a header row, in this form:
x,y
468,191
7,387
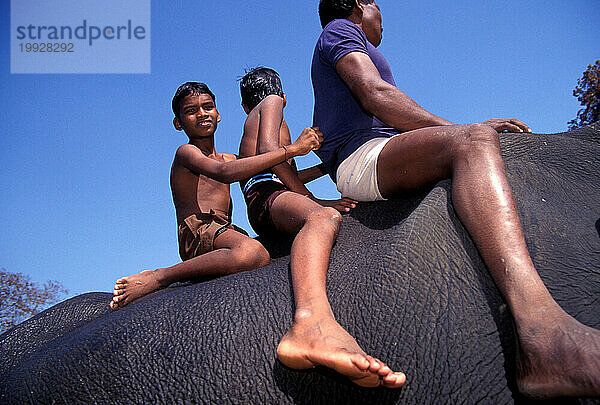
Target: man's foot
x,y
130,288
323,342
561,360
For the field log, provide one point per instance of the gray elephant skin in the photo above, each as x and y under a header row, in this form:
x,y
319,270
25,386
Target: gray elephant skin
x,y
405,279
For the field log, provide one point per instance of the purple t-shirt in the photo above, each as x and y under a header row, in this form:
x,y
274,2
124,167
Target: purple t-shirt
x,y
344,123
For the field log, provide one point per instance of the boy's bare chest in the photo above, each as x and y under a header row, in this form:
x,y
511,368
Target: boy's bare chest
x,y
209,185
212,195
213,191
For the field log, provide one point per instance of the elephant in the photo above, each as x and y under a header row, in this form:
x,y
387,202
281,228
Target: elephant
x,y
405,279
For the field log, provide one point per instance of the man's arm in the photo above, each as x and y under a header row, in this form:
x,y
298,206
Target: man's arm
x,y
393,106
378,97
228,172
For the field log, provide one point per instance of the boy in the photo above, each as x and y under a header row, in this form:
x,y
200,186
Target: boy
x,y
208,243
278,201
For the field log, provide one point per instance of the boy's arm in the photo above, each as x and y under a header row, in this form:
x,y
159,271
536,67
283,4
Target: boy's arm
x,y
192,158
311,173
271,119
269,127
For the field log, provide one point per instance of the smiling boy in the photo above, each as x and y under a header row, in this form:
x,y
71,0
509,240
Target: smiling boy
x,y
200,176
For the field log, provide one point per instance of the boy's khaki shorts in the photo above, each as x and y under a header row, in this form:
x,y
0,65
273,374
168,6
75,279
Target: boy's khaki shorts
x,y
197,233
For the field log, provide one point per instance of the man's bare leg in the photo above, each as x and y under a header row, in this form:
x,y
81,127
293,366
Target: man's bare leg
x,y
315,337
558,355
234,252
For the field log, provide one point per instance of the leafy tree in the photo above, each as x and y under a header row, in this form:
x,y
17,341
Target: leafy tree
x,y
588,94
20,298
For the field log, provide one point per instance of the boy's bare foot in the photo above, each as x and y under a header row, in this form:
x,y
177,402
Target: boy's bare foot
x,y
130,288
561,361
323,342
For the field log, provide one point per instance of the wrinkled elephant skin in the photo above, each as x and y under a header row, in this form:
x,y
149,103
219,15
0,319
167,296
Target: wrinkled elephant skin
x,y
405,279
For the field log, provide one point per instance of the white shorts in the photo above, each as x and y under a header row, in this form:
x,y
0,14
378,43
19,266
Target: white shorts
x,y
357,174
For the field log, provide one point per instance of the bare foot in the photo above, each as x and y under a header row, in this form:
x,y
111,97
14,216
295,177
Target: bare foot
x,y
130,288
323,342
563,360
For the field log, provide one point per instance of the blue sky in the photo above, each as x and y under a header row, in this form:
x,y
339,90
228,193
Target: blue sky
x,y
86,157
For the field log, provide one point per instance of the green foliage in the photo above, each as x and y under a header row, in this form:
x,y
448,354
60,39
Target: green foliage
x,y
20,298
588,94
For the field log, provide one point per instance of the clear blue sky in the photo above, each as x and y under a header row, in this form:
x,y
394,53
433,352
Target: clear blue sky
x,y
86,158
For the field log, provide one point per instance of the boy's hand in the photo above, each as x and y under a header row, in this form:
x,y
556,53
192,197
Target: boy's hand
x,y
342,205
309,139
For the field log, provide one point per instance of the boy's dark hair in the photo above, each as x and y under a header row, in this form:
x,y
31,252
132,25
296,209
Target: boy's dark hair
x,y
329,10
259,83
185,90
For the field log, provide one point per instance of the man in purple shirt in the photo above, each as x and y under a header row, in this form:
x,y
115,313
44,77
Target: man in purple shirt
x,y
379,143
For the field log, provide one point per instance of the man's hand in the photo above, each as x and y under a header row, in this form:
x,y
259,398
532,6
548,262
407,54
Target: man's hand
x,y
342,205
510,125
309,139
